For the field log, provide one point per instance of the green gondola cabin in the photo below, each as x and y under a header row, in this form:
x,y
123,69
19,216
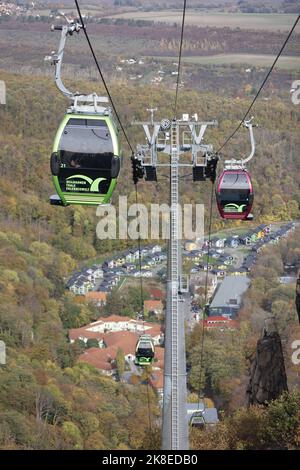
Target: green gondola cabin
x,y
145,351
85,160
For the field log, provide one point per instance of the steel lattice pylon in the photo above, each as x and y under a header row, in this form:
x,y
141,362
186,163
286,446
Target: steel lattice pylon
x,y
175,423
167,137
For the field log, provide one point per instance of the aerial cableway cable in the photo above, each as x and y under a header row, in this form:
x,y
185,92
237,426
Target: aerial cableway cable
x,y
140,261
211,204
101,75
201,362
179,58
261,86
117,115
142,303
136,190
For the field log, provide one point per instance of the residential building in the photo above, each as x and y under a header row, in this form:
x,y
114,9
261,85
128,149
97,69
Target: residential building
x,y
82,286
144,252
116,323
227,300
84,334
232,242
146,273
97,297
129,267
198,283
156,294
190,246
115,333
220,323
110,263
220,243
210,415
119,260
149,261
135,254
154,249
245,240
287,279
102,359
155,306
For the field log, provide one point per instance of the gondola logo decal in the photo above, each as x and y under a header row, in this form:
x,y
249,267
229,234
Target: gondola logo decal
x,y
79,183
234,208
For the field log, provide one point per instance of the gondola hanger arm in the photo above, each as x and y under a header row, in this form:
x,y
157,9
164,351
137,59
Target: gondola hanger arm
x,y
93,100
233,163
57,58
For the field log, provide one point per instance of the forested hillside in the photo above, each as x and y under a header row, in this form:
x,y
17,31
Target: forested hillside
x,y
47,400
28,126
227,357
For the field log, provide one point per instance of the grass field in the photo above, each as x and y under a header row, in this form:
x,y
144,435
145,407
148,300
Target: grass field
x,y
86,10
284,63
271,22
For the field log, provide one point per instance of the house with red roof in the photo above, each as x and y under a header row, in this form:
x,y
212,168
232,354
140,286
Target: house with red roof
x,y
220,323
125,340
113,333
116,323
97,297
156,294
155,306
103,359
84,334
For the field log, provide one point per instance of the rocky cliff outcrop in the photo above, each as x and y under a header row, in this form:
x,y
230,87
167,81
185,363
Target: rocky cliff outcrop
x,y
267,374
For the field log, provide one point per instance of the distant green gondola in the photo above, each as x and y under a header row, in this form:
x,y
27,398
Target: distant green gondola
x,y
145,351
85,160
197,419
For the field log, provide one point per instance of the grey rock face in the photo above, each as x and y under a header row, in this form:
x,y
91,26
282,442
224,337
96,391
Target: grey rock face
x,y
267,374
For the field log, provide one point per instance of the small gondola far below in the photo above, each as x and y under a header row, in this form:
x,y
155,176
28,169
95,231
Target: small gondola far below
x,y
145,351
234,194
85,159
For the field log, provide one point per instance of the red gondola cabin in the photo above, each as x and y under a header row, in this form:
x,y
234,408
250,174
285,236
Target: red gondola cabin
x,y
234,194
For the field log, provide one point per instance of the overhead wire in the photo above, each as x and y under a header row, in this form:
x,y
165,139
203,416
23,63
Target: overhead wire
x,y
205,293
211,203
140,263
102,76
142,305
135,184
119,120
261,86
221,147
179,58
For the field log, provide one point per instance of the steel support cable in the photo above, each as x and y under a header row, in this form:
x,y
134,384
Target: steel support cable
x,y
149,405
142,307
101,75
136,191
140,263
179,58
205,291
261,86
